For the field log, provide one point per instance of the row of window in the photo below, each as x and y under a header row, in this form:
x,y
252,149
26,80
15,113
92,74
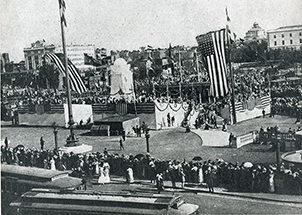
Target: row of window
x,y
37,62
283,42
290,35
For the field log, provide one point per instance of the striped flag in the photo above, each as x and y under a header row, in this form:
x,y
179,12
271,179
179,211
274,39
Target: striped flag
x,y
265,101
239,106
212,47
75,80
62,7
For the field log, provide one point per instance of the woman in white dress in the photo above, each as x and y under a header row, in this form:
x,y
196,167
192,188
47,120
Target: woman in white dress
x,y
52,164
101,179
271,184
200,174
97,167
106,167
130,178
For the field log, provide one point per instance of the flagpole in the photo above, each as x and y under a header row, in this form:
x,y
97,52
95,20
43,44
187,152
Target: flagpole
x,y
180,69
197,67
69,104
231,71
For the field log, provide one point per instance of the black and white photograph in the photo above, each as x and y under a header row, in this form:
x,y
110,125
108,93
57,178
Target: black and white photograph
x,y
171,107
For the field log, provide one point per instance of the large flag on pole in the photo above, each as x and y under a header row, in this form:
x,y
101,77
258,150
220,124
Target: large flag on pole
x,y
62,11
75,79
212,47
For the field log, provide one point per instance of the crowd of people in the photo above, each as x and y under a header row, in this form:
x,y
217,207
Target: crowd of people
x,y
285,90
251,84
245,177
290,106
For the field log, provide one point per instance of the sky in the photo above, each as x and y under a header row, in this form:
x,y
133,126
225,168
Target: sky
x,y
131,24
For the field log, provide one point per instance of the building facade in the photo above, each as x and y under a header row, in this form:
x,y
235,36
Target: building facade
x,y
255,33
76,54
33,55
285,37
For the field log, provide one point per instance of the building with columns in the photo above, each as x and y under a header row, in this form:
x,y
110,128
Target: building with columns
x,y
285,37
33,55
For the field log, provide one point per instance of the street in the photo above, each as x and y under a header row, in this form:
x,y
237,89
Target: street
x,y
218,204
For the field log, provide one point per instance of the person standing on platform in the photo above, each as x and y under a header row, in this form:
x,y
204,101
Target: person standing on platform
x,y
173,121
138,131
224,126
124,135
42,143
6,143
121,144
168,119
231,139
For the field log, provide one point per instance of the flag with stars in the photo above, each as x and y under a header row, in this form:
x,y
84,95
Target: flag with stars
x,y
212,47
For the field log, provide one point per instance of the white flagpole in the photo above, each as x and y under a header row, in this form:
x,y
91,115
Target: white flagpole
x,y
69,104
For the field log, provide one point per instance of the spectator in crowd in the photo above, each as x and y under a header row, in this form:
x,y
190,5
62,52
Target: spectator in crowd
x,y
232,176
210,179
159,182
101,179
129,177
106,169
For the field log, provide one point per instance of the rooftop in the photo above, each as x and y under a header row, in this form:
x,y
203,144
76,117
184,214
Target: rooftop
x,y
286,28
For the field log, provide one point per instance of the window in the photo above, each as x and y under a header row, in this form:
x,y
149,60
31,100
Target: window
x,y
300,34
36,61
275,36
300,40
275,43
30,65
282,35
290,34
291,41
282,42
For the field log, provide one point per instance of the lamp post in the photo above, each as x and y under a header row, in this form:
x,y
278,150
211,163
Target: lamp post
x,y
55,132
278,141
147,139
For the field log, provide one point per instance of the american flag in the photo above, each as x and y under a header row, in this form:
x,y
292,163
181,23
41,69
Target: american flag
x,y
75,79
212,47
